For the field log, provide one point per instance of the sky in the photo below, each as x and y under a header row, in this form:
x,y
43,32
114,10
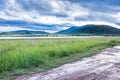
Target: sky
x,y
56,15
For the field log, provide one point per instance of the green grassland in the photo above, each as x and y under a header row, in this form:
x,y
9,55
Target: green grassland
x,y
26,56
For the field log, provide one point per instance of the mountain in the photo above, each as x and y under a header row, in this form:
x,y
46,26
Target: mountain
x,y
91,29
25,32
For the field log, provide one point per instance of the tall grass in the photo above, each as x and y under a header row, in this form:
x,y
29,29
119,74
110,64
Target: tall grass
x,y
21,54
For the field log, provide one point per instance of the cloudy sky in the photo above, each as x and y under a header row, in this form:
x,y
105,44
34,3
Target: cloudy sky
x,y
55,15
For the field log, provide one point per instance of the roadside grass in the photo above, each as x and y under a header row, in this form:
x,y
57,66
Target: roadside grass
x,y
29,56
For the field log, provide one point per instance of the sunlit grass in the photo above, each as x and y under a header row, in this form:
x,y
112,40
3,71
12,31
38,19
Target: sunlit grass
x,y
25,54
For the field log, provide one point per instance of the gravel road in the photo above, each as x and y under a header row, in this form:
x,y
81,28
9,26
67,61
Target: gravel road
x,y
103,66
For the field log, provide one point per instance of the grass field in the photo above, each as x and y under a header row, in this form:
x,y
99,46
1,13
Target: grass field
x,y
24,56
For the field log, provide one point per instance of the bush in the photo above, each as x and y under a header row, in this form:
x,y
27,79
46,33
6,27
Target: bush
x,y
113,43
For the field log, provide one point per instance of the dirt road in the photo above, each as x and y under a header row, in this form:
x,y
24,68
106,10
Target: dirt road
x,y
103,66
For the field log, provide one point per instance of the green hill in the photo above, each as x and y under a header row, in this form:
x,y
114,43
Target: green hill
x,y
24,32
91,29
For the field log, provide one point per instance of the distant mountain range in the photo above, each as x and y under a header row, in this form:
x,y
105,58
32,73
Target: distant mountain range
x,y
76,30
25,32
91,29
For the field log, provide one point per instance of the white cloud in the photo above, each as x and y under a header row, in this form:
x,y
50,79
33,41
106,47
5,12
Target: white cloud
x,y
117,16
52,20
14,11
54,10
10,28
98,23
70,9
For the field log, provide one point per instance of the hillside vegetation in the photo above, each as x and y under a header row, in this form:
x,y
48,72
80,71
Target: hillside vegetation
x,y
46,53
92,29
23,32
